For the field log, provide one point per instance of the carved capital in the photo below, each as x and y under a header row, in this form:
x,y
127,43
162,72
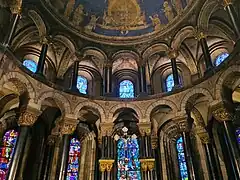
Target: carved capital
x,y
51,139
145,128
199,35
28,116
15,6
154,142
204,137
45,40
106,165
221,114
106,129
147,164
227,2
172,53
68,126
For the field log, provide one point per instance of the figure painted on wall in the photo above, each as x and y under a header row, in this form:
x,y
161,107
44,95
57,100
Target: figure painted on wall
x,y
106,19
69,8
177,4
92,24
78,15
168,11
156,22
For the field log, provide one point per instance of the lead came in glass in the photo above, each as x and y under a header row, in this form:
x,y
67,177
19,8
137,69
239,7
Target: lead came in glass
x,y
82,84
221,58
7,152
126,89
181,159
169,82
73,160
30,64
128,162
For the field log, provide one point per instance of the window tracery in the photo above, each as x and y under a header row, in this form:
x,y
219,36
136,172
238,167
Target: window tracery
x,y
73,159
30,64
220,58
7,151
181,159
82,84
169,82
126,89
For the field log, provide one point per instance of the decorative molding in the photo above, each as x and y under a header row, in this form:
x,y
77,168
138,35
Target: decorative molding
x,y
145,128
106,164
147,164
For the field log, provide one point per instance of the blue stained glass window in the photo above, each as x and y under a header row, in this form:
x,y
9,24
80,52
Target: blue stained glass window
x,y
82,84
30,64
126,89
7,151
169,82
221,58
73,160
181,159
238,135
127,159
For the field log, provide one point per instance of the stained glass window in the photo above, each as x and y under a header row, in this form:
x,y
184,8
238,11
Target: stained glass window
x,y
169,82
82,84
127,159
181,159
238,135
30,64
73,160
221,58
7,151
126,89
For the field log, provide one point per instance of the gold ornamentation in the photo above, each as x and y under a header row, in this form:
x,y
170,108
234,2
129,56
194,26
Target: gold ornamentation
x,y
227,2
221,114
145,128
147,164
68,128
28,117
168,11
106,129
106,165
204,137
156,22
172,53
16,6
199,35
154,142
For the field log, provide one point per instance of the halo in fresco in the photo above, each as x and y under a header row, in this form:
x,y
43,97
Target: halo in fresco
x,y
118,18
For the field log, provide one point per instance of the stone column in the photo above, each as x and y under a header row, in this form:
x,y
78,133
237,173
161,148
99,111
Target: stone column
x,y
16,9
107,158
146,152
27,118
220,113
107,80
75,76
228,6
142,79
42,57
172,55
201,37
212,159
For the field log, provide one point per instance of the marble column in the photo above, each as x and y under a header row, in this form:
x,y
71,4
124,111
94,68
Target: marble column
x,y
27,118
142,79
201,37
107,80
228,6
42,57
173,54
220,113
75,76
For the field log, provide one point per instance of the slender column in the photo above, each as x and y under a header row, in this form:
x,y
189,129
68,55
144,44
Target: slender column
x,y
108,79
228,6
200,36
42,58
221,114
27,118
142,79
173,54
75,76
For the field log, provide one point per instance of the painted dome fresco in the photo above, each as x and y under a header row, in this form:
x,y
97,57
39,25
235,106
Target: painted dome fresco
x,y
118,19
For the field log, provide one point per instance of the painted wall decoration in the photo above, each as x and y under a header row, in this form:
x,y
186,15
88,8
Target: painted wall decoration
x,y
118,18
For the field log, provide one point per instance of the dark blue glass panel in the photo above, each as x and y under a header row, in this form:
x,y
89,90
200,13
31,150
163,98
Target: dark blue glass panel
x,y
126,89
73,160
7,151
82,84
169,82
181,159
128,162
238,135
30,64
221,58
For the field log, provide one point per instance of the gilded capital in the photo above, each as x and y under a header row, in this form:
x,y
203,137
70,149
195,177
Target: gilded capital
x,y
154,142
28,117
172,53
147,164
227,2
145,128
204,137
44,40
106,164
221,114
15,6
199,35
106,129
68,125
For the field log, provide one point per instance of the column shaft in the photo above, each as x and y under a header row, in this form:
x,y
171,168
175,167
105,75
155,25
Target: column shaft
x,y
234,18
142,79
107,81
18,152
13,26
206,54
64,159
175,72
42,59
75,76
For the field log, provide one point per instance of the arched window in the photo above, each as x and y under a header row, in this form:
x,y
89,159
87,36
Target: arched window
x,y
221,58
169,82
30,64
73,160
181,159
7,151
127,159
82,84
126,89
238,135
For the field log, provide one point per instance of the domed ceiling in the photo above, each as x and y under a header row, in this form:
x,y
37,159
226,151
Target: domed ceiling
x,y
118,20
